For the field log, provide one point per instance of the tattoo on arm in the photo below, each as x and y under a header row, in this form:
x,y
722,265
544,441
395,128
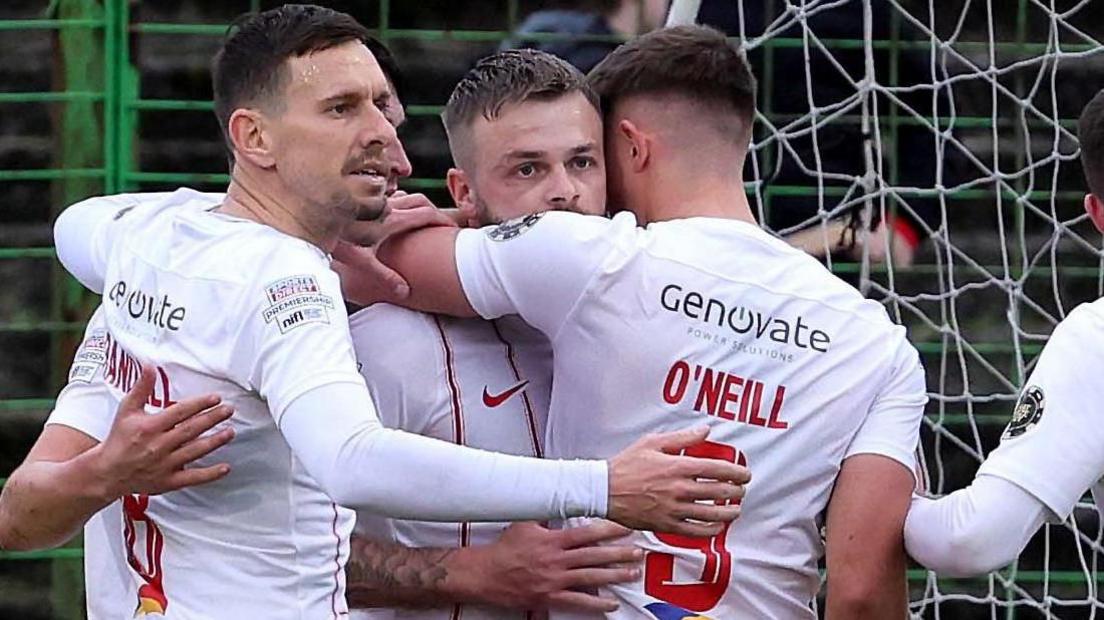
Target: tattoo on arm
x,y
381,574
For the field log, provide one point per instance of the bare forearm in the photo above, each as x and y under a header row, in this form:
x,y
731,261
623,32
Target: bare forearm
x,y
884,597
44,503
381,574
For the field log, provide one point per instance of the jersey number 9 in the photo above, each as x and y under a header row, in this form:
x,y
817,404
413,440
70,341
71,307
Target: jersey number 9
x,y
659,568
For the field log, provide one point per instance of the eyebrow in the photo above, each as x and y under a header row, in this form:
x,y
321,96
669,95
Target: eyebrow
x,y
343,95
577,150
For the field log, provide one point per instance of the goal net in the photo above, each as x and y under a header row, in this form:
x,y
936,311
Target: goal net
x,y
947,132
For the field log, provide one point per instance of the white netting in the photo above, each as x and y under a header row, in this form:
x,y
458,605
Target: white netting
x,y
958,117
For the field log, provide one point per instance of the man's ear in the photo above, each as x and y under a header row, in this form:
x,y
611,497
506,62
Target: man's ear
x,y
463,196
637,142
1095,208
250,139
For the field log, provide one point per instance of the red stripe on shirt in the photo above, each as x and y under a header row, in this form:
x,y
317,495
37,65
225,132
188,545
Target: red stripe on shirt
x,y
457,426
529,417
454,387
337,564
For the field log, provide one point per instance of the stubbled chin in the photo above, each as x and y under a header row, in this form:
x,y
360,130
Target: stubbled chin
x,y
371,209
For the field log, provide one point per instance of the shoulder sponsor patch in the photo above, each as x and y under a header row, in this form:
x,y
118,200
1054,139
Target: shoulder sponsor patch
x,y
1028,411
90,357
514,228
296,301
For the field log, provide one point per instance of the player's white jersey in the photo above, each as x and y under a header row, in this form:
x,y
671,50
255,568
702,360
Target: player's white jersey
x,y
707,321
264,542
1054,446
468,381
85,405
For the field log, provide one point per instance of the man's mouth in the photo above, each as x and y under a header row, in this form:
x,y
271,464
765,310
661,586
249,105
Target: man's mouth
x,y
371,171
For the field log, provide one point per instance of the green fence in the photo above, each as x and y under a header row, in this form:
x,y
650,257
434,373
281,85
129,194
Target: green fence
x,y
97,132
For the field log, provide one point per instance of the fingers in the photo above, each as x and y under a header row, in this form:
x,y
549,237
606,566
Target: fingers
x,y
140,393
676,441
720,492
199,448
197,425
598,577
195,476
187,408
607,556
390,280
413,219
594,533
402,201
582,601
714,469
689,528
710,513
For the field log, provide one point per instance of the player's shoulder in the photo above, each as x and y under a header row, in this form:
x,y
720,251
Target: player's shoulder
x,y
562,226
1082,329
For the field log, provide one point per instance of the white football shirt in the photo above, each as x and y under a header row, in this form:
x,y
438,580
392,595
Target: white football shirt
x,y
265,540
84,404
707,321
1054,446
224,305
479,383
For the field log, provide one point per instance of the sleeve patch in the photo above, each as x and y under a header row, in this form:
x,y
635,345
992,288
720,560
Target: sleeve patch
x,y
1028,412
296,301
90,357
511,229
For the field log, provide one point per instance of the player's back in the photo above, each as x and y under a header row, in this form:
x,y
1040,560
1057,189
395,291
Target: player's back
x,y
709,321
194,292
484,384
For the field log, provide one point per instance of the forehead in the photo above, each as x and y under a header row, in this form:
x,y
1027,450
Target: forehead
x,y
538,125
346,67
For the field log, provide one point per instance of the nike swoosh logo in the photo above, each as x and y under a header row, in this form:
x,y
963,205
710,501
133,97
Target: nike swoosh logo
x,y
494,400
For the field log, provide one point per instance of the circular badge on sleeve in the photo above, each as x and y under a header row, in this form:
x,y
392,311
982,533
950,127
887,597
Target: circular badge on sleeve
x,y
513,228
1027,412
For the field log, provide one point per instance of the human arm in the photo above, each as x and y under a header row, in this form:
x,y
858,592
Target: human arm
x,y
528,567
974,530
1052,451
645,486
866,513
85,231
70,475
866,555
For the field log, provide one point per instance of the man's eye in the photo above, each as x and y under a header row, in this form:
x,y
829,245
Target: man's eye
x,y
526,170
340,108
583,163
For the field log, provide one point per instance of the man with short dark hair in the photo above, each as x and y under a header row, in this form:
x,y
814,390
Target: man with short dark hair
x,y
1052,451
526,133
703,316
240,300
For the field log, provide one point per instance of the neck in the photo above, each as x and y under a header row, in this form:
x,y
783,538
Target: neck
x,y
252,198
682,196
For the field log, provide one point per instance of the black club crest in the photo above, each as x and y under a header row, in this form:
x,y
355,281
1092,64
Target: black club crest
x,y
513,228
1028,411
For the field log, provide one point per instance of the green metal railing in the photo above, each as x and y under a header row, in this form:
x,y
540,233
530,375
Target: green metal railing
x,y
114,104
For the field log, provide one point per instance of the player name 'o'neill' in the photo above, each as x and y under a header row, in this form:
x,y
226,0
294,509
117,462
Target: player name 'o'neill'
x,y
722,394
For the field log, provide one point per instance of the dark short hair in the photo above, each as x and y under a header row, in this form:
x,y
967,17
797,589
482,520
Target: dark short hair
x,y
696,62
511,76
387,63
1090,133
249,67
